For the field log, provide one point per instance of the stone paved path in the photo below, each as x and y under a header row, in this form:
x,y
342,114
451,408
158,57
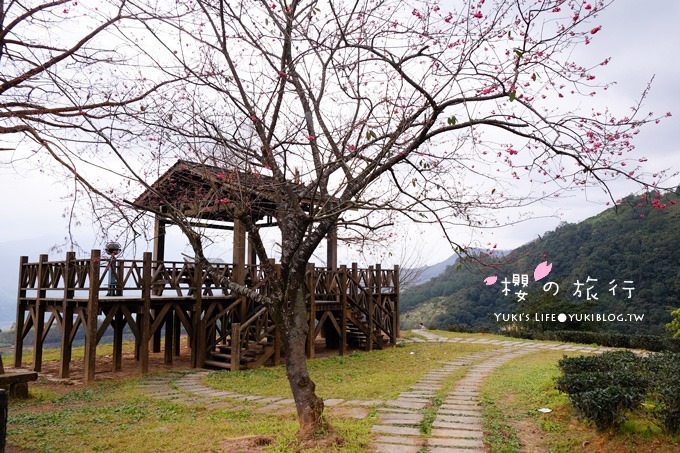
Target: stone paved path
x,y
457,427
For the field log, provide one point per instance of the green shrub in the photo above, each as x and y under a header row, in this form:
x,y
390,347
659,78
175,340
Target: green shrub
x,y
664,372
607,406
603,388
603,362
583,382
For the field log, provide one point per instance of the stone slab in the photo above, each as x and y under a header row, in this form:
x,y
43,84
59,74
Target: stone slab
x,y
459,411
394,448
455,442
397,430
401,419
454,450
442,420
407,404
456,433
417,441
458,426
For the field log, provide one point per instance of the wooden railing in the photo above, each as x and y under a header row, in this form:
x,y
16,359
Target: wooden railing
x,y
72,278
367,297
370,294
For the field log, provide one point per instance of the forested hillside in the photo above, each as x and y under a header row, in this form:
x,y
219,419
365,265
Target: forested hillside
x,y
632,250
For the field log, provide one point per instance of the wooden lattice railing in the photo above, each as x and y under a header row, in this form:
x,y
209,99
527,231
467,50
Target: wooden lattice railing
x,y
146,292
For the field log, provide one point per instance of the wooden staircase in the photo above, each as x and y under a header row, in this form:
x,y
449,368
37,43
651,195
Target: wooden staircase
x,y
251,344
253,356
351,308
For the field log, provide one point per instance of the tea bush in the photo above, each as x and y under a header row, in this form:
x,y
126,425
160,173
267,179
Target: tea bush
x,y
664,372
603,388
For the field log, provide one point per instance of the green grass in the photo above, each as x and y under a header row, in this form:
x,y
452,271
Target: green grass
x,y
376,375
116,417
512,395
77,352
429,415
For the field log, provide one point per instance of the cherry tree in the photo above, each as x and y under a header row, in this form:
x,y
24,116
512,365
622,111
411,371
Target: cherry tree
x,y
382,110
65,78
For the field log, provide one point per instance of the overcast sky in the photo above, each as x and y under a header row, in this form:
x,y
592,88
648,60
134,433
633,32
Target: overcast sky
x,y
641,37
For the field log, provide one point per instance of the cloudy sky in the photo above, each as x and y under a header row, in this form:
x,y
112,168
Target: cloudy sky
x,y
641,38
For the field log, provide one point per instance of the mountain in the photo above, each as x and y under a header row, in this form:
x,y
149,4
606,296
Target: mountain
x,y
423,274
626,257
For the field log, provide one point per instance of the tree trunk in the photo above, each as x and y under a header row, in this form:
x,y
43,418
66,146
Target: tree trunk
x,y
309,406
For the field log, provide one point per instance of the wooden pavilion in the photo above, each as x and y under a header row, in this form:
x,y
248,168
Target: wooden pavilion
x,y
157,299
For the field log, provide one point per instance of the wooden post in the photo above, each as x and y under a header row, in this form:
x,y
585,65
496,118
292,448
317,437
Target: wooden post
x,y
92,313
332,248
310,283
239,261
235,346
277,331
198,336
369,306
21,309
343,304
397,289
67,316
145,328
168,337
158,239
156,344
277,346
378,301
39,314
252,253
177,333
118,326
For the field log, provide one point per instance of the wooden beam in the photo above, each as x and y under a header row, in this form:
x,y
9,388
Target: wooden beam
x,y
397,321
39,313
92,313
197,336
118,326
235,346
146,313
67,320
343,304
168,337
21,309
156,343
177,330
159,238
252,253
369,306
239,262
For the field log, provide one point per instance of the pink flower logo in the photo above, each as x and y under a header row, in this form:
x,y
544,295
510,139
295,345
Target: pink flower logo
x,y
490,280
542,270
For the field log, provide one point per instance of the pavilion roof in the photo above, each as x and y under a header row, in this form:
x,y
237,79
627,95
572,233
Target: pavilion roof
x,y
205,191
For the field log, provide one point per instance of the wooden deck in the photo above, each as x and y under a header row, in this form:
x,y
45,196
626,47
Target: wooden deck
x,y
158,300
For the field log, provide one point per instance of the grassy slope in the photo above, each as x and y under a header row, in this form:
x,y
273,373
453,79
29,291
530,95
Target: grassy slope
x,y
114,416
512,423
360,375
